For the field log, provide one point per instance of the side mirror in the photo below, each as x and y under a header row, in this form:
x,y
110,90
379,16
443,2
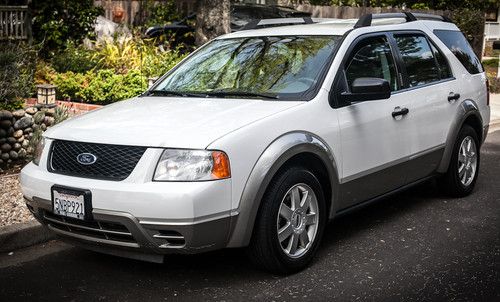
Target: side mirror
x,y
367,89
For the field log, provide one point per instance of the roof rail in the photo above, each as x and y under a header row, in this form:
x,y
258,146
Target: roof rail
x,y
256,23
366,20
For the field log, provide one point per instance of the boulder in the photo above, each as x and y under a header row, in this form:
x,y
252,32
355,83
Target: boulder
x,y
16,147
31,110
50,112
10,131
5,115
25,143
11,140
5,147
39,117
3,141
28,130
13,155
23,123
4,156
5,124
18,134
21,139
22,153
3,133
18,113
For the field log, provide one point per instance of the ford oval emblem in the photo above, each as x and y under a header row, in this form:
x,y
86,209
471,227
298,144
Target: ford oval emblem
x,y
86,158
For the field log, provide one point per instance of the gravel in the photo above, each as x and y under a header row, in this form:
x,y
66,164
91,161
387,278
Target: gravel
x,y
12,207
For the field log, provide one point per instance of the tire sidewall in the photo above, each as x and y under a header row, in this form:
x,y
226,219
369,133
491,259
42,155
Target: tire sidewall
x,y
286,181
464,132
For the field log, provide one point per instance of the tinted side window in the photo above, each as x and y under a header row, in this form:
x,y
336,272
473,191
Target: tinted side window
x,y
459,46
418,58
444,67
372,58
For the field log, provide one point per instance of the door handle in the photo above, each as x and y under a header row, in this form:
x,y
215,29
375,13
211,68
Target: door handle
x,y
400,111
453,96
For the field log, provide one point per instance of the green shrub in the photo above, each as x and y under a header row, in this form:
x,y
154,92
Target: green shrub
x,y
16,74
73,58
69,85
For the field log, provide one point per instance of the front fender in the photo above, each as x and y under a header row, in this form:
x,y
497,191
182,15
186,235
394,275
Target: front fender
x,y
273,157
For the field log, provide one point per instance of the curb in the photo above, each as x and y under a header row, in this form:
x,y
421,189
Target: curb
x,y
21,235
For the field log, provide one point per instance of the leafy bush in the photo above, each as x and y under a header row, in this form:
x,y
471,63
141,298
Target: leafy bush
x,y
16,74
56,22
69,84
73,58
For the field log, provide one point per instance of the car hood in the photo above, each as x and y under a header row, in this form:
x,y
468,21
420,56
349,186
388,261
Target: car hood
x,y
166,121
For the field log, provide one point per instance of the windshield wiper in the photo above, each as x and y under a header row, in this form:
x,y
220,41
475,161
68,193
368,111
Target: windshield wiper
x,y
176,93
242,93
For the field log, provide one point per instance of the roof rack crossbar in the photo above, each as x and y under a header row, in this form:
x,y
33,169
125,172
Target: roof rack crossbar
x,y
253,24
366,20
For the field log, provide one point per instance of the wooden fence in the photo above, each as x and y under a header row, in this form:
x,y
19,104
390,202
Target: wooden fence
x,y
15,23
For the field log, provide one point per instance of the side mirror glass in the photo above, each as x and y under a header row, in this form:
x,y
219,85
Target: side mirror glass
x,y
367,89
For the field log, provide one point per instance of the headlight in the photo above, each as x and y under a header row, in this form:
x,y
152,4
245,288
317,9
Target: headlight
x,y
192,165
38,151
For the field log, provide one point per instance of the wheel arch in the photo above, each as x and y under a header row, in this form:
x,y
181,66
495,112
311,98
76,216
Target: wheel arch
x,y
467,114
297,147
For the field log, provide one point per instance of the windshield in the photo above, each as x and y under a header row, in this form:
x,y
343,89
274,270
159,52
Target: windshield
x,y
287,67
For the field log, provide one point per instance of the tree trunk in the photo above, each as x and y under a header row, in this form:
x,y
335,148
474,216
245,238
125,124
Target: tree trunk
x,y
212,19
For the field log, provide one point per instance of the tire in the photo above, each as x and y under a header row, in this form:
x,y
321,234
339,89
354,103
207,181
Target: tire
x,y
277,254
453,182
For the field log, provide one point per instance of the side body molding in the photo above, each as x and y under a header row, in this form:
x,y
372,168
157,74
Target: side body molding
x,y
467,108
270,161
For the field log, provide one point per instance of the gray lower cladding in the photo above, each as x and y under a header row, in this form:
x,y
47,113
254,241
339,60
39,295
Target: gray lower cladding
x,y
122,234
389,177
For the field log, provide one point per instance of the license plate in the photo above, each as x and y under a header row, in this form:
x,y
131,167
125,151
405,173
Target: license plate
x,y
70,203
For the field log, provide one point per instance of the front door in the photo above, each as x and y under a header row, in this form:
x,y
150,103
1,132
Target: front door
x,y
374,141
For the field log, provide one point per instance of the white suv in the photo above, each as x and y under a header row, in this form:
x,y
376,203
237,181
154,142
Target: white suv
x,y
260,137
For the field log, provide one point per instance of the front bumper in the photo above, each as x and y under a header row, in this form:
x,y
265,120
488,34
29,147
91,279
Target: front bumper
x,y
137,218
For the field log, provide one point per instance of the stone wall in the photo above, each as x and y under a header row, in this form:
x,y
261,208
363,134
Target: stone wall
x,y
17,128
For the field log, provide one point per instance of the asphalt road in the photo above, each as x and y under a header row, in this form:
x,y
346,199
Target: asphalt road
x,y
416,246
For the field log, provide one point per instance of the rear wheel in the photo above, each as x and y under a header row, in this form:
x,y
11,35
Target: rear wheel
x,y
462,173
290,222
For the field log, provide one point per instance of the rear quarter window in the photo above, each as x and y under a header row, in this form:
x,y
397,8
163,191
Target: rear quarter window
x,y
459,46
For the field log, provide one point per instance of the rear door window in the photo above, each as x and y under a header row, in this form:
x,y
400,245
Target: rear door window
x,y
459,46
418,58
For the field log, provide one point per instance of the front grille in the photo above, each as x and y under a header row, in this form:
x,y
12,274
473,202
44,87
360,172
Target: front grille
x,y
114,162
96,229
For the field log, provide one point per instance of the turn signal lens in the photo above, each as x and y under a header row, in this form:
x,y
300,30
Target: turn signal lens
x,y
220,167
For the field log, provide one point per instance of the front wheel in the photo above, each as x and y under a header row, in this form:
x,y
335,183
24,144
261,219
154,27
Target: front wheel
x,y
290,222
463,170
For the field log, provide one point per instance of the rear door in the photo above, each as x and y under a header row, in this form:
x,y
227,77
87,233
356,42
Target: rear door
x,y
434,94
374,143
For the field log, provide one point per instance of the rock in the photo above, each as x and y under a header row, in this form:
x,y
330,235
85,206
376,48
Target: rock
x,y
11,140
5,115
5,124
39,117
22,153
31,110
16,147
4,156
35,127
49,121
5,147
18,113
1,163
10,131
18,134
3,133
29,150
21,139
13,155
28,130
25,143
3,141
43,127
50,112
23,123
